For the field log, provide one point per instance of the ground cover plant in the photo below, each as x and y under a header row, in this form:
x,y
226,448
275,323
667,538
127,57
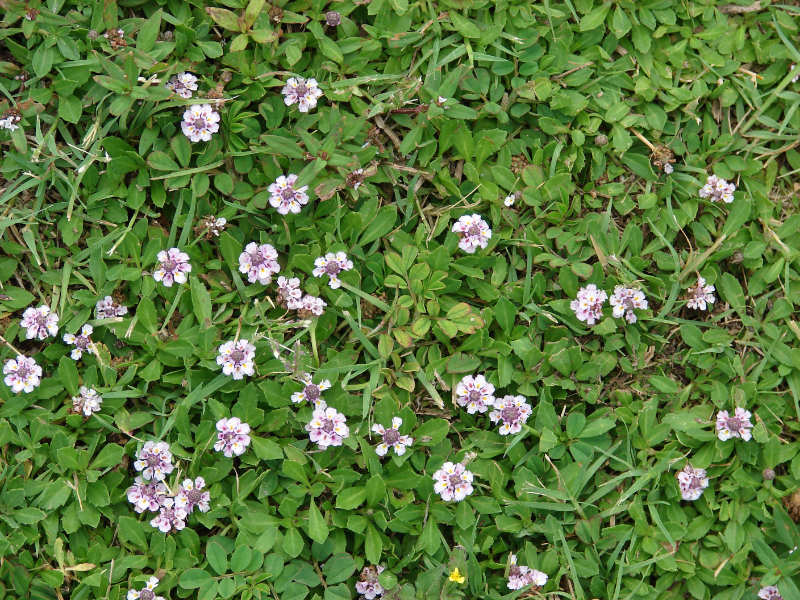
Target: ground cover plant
x,y
400,299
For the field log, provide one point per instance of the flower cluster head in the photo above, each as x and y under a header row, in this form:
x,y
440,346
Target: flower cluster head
x,y
191,494
82,341
169,517
770,592
285,196
311,392
737,425
303,92
259,263
289,293
236,358
40,323
473,231
154,461
625,300
215,225
692,482
22,374
10,119
200,122
146,495
391,438
173,265
327,427
355,178
588,305
668,168
701,295
512,411
474,392
509,200
452,482
331,265
312,306
183,84
233,437
107,308
87,402
146,593
520,576
367,584
717,189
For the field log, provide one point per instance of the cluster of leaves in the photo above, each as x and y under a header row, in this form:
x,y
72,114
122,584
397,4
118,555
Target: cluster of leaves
x,y
572,106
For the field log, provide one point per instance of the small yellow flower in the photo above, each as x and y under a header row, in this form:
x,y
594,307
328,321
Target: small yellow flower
x,y
456,576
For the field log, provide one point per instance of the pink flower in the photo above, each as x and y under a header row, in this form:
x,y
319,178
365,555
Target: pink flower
x,y
82,342
700,295
154,460
173,265
331,265
289,293
588,305
692,482
312,306
40,323
22,374
285,197
312,392
146,593
625,300
717,189
513,411
169,517
736,426
191,495
303,92
327,426
183,84
368,585
233,437
237,358
473,231
108,309
259,263
146,495
88,401
521,576
475,393
391,438
452,482
770,593
200,122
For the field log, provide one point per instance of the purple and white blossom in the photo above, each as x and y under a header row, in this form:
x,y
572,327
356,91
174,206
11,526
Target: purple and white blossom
x,y
303,92
453,482
183,84
392,438
82,342
289,293
327,427
332,265
259,262
200,122
588,305
237,358
520,576
87,402
367,584
311,392
107,308
173,266
475,393
154,461
625,300
717,189
700,295
312,306
692,482
146,495
512,411
22,374
191,494
473,232
146,593
770,592
285,196
737,425
40,323
233,437
170,517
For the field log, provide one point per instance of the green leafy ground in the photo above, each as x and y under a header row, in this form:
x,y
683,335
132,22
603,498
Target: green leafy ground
x,y
558,102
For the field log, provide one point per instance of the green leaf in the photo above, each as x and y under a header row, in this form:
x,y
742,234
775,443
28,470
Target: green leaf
x,y
317,528
148,33
110,455
193,579
201,302
595,18
380,225
373,545
225,18
350,497
217,557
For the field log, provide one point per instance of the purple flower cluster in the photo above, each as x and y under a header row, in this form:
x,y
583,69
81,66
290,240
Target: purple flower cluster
x,y
717,189
39,323
392,438
291,297
692,482
700,295
453,482
237,358
191,494
107,308
327,427
770,592
22,374
311,392
332,265
367,584
625,300
82,342
233,437
183,84
87,402
473,232
173,267
200,122
477,395
303,92
520,576
512,412
588,305
737,425
287,197
154,461
146,593
259,263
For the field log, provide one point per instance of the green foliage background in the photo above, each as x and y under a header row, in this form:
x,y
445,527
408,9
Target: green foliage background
x,y
543,98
